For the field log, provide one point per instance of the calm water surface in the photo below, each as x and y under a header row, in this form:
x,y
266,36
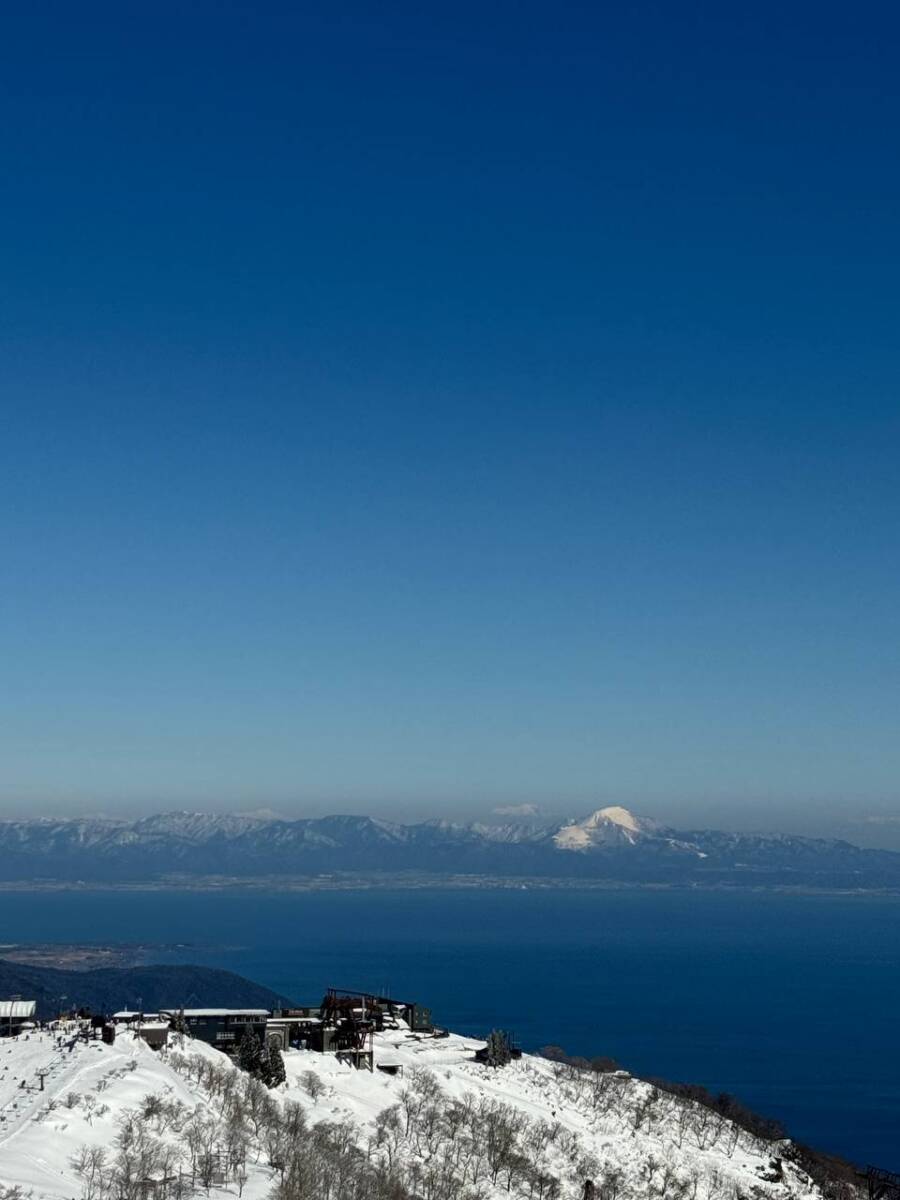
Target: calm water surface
x,y
790,1002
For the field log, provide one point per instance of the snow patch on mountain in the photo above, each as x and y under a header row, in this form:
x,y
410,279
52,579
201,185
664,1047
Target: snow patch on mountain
x,y
606,827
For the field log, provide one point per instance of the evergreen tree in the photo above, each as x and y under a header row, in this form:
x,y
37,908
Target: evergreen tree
x,y
262,1071
498,1049
273,1065
179,1022
250,1053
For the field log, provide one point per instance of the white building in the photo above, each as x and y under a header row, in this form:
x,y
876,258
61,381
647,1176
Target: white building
x,y
14,1014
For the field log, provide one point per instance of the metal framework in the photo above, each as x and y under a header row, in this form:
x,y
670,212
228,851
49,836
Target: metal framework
x,y
381,1009
353,1017
883,1185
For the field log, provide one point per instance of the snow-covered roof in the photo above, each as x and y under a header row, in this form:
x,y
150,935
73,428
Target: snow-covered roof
x,y
12,1009
128,1014
217,1012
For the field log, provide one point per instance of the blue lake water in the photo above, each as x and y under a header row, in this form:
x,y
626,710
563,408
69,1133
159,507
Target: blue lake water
x,y
790,1002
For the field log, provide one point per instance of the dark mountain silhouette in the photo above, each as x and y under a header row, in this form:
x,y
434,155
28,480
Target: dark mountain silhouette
x,y
147,988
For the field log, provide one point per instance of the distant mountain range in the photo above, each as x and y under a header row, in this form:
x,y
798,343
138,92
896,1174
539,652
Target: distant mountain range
x,y
108,989
610,844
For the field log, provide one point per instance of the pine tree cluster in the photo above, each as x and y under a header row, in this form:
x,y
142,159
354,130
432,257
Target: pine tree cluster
x,y
262,1060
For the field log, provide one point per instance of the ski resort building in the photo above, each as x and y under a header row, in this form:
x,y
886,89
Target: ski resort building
x,y
220,1027
154,1033
153,1028
14,1014
384,1011
344,1022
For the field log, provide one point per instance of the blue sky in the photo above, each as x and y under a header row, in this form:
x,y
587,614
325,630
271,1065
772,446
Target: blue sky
x,y
433,409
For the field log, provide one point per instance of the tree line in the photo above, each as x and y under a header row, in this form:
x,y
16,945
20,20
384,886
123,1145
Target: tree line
x,y
430,1145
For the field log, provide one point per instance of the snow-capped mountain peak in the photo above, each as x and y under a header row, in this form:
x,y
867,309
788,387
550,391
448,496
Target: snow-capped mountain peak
x,y
618,816
610,826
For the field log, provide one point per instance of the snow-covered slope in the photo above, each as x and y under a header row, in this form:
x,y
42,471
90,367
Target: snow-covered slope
x,y
438,1115
614,826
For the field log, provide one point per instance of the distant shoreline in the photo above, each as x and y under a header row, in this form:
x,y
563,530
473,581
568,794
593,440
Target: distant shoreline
x,y
80,956
418,882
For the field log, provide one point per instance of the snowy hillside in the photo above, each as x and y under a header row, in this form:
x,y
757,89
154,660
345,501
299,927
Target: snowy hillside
x,y
442,1127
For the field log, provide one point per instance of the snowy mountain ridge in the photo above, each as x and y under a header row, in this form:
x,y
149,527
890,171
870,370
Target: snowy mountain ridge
x,y
609,844
440,1126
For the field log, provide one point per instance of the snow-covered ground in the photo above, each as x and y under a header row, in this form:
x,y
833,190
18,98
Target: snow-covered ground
x,y
579,1126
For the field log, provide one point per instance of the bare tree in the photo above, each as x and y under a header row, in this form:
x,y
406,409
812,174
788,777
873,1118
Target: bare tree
x,y
89,1164
312,1085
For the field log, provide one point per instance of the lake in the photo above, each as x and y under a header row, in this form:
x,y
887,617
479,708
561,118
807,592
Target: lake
x,y
790,1002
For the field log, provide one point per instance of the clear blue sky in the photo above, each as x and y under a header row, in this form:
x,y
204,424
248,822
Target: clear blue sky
x,y
413,408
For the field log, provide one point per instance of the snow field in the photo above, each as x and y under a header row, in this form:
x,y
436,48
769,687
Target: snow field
x,y
577,1125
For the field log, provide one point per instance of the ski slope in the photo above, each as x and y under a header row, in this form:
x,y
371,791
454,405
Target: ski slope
x,y
89,1088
